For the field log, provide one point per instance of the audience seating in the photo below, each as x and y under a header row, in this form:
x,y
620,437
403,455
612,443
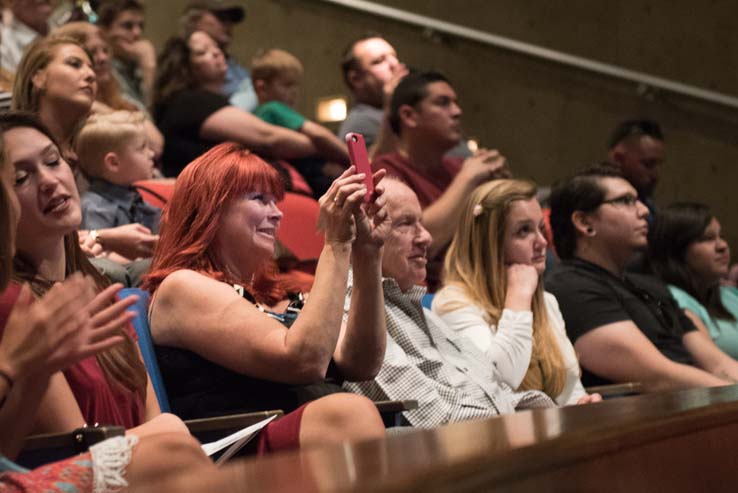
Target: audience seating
x,y
391,411
155,192
41,449
616,390
427,300
298,232
50,447
146,344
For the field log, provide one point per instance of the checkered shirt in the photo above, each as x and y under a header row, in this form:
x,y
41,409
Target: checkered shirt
x,y
446,373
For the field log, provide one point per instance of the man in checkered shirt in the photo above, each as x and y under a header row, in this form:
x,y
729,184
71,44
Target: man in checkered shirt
x,y
424,360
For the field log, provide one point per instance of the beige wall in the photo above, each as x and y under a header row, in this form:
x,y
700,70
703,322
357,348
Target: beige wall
x,y
547,119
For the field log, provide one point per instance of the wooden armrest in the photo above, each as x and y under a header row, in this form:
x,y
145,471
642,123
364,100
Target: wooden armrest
x,y
233,421
48,440
616,389
196,426
395,406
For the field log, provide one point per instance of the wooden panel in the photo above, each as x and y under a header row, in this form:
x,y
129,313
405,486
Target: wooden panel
x,y
683,441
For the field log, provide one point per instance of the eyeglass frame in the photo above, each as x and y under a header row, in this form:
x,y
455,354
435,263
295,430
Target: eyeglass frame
x,y
627,200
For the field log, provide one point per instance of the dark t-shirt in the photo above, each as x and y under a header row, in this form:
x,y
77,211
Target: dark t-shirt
x,y
590,297
179,119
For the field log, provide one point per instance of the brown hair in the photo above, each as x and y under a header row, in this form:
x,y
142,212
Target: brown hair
x,y
110,9
108,93
121,364
26,96
173,72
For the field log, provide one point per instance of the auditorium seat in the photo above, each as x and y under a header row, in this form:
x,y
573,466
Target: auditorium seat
x,y
155,192
391,411
146,344
298,232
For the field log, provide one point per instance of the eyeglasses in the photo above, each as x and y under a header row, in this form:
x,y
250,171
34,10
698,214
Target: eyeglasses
x,y
626,200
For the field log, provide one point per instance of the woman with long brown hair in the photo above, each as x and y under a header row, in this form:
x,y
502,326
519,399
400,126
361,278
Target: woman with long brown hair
x,y
493,292
109,97
112,387
55,80
194,116
687,251
71,323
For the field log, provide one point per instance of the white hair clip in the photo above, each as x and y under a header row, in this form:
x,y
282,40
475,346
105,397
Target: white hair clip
x,y
477,211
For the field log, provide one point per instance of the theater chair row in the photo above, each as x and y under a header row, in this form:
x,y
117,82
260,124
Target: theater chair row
x,y
42,449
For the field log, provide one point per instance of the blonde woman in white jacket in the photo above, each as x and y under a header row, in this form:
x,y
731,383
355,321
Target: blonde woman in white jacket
x,y
493,292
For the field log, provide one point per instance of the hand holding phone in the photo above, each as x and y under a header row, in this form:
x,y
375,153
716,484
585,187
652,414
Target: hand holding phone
x,y
360,159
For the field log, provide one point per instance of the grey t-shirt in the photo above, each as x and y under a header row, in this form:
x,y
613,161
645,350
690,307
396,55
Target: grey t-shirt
x,y
363,119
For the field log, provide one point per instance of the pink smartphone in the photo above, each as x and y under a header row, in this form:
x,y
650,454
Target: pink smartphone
x,y
360,159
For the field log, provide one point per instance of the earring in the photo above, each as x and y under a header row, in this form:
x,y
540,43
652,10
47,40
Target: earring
x,y
590,231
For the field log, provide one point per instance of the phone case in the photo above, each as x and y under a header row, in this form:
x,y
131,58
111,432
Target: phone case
x,y
360,159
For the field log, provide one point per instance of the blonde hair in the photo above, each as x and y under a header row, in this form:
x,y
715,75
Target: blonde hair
x,y
273,63
475,262
109,92
103,133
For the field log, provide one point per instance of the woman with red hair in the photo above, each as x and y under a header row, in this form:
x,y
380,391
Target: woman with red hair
x,y
220,315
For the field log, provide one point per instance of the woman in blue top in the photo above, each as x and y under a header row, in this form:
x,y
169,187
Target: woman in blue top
x,y
687,251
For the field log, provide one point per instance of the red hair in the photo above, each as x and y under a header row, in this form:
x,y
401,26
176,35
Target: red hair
x,y
191,219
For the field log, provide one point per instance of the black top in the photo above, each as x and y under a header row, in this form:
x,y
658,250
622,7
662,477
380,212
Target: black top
x,y
590,297
199,388
179,119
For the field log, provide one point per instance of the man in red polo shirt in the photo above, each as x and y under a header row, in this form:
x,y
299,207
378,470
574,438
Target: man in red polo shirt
x,y
425,115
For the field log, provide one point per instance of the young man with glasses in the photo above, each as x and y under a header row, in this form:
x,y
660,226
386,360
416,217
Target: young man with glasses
x,y
625,327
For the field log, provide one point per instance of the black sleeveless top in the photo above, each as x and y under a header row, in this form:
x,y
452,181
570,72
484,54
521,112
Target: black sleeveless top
x,y
199,388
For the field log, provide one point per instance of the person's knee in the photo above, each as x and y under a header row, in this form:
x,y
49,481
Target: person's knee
x,y
179,448
165,423
174,423
161,456
357,408
354,415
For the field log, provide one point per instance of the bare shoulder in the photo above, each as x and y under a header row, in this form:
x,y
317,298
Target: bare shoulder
x,y
187,300
187,283
185,291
